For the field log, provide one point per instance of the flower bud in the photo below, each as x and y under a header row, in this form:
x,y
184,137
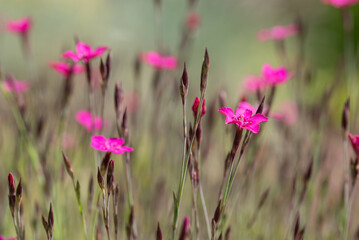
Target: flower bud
x,y
68,165
185,232
204,73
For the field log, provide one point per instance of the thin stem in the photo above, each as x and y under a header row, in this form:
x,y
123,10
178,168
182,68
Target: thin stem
x,y
205,212
81,210
184,171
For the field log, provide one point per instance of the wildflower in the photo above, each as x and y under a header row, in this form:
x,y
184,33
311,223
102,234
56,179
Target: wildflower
x,y
114,145
65,68
91,123
254,83
156,60
288,113
243,117
21,26
341,3
354,139
195,107
275,76
277,32
193,20
13,85
84,52
4,238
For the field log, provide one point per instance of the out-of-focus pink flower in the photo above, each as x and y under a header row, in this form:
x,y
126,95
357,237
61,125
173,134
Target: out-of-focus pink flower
x,y
13,85
4,238
277,33
254,83
84,52
287,114
243,117
91,123
275,76
21,26
131,101
113,145
354,139
68,142
65,68
156,60
193,20
195,107
341,3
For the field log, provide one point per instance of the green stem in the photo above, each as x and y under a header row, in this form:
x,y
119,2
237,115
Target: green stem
x,y
184,171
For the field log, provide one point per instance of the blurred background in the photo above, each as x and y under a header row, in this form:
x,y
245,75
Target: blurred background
x,y
228,29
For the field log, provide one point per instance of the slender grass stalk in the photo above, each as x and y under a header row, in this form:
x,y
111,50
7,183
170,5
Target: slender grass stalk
x,y
178,197
29,145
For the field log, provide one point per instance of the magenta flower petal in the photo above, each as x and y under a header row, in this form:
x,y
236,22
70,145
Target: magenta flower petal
x,y
258,118
243,117
99,143
254,128
341,3
114,145
277,32
354,140
72,55
21,26
156,60
16,86
228,113
275,76
65,68
84,52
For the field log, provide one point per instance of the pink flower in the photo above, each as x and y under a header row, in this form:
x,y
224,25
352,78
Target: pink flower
x,y
195,107
21,26
288,113
4,238
13,85
340,3
84,52
193,20
156,60
254,83
275,76
354,139
243,117
91,123
277,33
113,145
65,68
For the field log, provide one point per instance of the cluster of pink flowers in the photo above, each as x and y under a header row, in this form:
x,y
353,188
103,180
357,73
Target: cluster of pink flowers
x,y
114,145
270,77
277,32
341,3
159,61
84,52
21,26
89,122
244,117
